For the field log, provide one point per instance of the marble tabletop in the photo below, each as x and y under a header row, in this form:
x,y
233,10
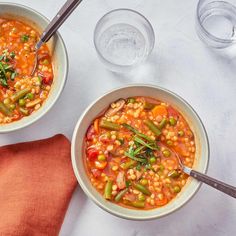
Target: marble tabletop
x,y
179,62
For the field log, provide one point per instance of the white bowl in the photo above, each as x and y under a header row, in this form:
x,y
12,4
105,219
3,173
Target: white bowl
x,y
200,164
59,58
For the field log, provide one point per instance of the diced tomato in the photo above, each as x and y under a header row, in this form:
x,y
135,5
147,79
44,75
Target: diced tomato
x,y
92,153
120,180
104,139
90,133
172,112
100,165
3,88
96,173
46,77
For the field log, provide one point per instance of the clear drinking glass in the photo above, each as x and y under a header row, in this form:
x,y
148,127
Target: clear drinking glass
x,y
123,39
216,22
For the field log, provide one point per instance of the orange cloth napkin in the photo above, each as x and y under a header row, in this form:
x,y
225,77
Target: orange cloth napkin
x,y
36,185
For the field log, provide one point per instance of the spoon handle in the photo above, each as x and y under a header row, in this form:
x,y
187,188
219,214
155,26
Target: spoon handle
x,y
57,21
221,186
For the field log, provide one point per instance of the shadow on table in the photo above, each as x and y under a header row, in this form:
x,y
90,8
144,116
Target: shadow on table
x,y
147,72
198,217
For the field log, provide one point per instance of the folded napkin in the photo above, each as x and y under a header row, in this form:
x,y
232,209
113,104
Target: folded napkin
x,y
36,185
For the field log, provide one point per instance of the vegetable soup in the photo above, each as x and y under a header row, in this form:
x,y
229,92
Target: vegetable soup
x,y
20,92
131,152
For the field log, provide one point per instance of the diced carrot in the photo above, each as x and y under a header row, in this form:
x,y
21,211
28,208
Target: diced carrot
x,y
92,153
161,202
96,126
159,110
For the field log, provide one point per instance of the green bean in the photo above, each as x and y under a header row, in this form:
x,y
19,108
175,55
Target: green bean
x,y
24,111
152,127
149,106
142,189
16,96
127,165
109,125
108,190
162,123
121,194
138,204
174,174
4,109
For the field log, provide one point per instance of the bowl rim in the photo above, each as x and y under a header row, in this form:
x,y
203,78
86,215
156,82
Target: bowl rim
x,y
66,66
104,206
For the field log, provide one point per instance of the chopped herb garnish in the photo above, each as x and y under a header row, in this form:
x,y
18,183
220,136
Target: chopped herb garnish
x,y
135,158
137,150
12,55
143,146
6,70
129,127
127,183
13,75
121,140
138,167
150,145
24,38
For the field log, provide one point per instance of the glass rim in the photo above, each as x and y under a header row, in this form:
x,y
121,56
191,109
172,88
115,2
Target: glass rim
x,y
125,10
208,34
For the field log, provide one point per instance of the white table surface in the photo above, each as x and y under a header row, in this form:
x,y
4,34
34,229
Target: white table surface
x,y
179,62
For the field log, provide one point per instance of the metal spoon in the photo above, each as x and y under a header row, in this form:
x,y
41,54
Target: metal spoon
x,y
221,186
53,26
